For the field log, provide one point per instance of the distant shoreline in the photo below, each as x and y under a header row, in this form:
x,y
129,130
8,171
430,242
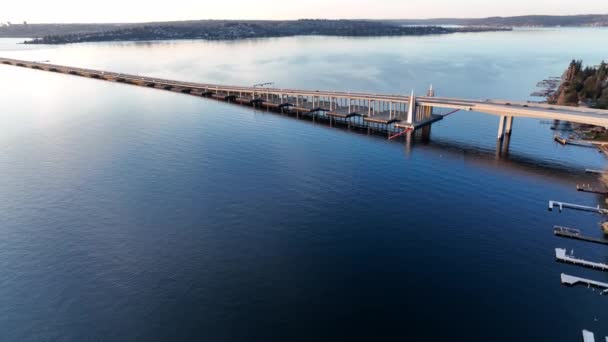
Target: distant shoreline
x,y
237,30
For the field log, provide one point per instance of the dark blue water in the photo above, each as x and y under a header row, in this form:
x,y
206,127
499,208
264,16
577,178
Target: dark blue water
x,y
134,214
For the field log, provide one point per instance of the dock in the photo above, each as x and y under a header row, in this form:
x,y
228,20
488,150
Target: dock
x,y
597,172
588,336
576,142
572,280
562,256
588,188
575,234
562,205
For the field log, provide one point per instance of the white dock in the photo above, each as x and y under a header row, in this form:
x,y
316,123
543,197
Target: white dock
x,y
562,205
561,255
588,336
572,280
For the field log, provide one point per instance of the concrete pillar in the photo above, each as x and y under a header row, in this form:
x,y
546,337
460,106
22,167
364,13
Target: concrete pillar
x,y
349,104
369,109
501,126
509,125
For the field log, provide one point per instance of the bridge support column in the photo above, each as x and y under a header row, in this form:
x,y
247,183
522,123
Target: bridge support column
x,y
509,126
501,127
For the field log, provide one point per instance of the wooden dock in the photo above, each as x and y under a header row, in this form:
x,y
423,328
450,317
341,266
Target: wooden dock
x,y
562,256
562,205
575,234
572,280
588,188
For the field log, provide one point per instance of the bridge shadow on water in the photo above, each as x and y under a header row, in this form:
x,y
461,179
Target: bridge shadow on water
x,y
500,158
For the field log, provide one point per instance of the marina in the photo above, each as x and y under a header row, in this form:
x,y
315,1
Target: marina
x,y
562,256
575,234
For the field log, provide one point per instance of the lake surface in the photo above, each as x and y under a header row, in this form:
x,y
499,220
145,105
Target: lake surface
x,y
129,213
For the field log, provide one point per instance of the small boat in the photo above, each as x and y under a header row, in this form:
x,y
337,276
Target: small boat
x,y
560,140
605,227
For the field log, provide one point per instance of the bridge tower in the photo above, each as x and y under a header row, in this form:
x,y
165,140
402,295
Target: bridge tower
x,y
417,113
412,109
430,92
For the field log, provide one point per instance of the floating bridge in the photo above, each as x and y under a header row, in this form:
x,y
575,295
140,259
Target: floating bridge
x,y
378,112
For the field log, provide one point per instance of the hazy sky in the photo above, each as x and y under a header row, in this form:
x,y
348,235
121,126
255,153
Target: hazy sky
x,y
47,11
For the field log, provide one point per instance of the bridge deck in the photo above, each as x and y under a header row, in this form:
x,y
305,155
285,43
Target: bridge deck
x,y
364,104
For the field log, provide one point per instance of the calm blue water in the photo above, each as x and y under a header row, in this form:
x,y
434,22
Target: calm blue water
x,y
129,213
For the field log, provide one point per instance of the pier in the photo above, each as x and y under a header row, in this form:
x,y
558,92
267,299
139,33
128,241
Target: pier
x,y
386,113
562,256
562,205
575,234
572,280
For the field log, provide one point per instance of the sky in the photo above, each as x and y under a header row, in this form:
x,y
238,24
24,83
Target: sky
x,y
83,11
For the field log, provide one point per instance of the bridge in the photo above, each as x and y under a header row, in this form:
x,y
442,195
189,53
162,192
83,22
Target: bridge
x,y
392,114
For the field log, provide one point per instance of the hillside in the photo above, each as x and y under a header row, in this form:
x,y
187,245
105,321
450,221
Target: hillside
x,y
229,30
42,30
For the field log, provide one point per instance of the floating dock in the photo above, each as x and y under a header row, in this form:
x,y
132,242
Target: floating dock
x,y
562,205
561,255
572,280
575,234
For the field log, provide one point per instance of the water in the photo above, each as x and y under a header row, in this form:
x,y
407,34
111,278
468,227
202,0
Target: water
x,y
134,214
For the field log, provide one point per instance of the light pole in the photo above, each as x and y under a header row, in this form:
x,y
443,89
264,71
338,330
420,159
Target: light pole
x,y
261,85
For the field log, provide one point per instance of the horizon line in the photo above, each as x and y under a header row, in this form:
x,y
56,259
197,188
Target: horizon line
x,y
311,18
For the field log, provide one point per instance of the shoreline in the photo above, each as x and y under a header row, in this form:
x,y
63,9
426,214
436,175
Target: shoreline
x,y
41,41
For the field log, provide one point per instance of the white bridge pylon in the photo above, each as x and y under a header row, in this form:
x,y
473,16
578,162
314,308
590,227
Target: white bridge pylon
x,y
411,108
